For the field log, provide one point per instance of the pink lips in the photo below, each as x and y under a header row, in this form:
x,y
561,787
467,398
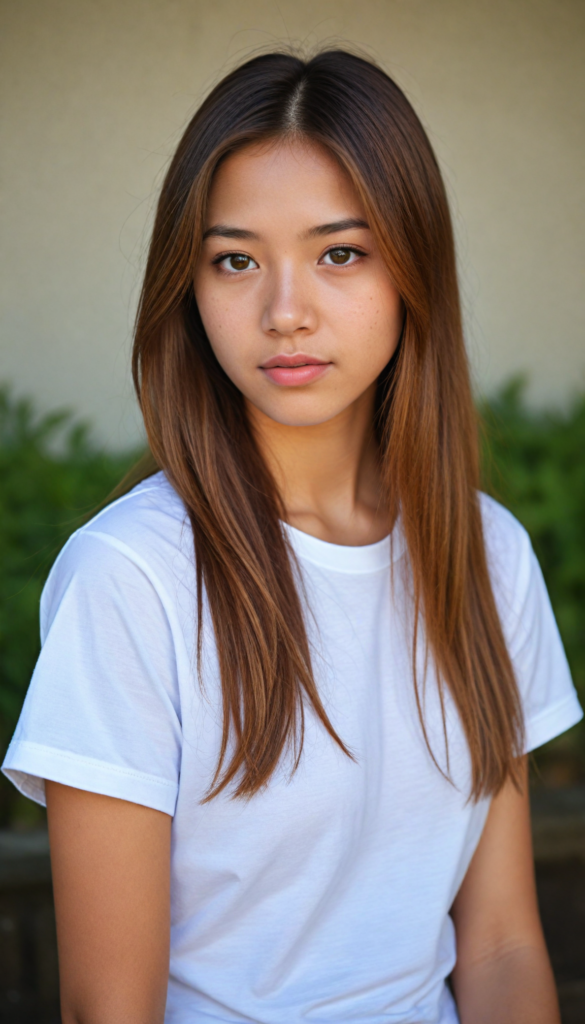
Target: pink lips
x,y
296,369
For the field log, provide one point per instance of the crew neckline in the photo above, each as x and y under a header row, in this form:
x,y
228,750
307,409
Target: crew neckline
x,y
343,558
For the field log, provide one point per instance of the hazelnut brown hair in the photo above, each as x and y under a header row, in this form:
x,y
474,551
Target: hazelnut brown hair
x,y
198,431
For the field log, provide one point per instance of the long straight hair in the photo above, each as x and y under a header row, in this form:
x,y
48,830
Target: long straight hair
x,y
199,434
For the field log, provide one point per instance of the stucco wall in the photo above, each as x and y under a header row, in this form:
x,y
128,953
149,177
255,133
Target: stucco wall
x,y
94,96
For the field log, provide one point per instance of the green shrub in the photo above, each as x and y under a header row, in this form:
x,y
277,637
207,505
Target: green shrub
x,y
534,463
52,476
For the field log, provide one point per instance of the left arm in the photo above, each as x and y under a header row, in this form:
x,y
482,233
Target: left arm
x,y
503,973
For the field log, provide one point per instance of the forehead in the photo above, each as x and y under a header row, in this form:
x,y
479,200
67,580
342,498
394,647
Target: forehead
x,y
269,180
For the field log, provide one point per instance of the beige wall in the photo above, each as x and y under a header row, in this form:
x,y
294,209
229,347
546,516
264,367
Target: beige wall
x,y
95,93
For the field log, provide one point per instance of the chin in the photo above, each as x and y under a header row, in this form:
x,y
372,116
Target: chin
x,y
299,411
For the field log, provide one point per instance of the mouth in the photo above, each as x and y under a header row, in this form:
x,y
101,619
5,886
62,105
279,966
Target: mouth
x,y
294,370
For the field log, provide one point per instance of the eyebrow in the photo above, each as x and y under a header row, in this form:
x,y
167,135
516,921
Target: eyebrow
x,y
227,231
337,225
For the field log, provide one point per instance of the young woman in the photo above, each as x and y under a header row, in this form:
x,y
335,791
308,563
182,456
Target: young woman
x,y
288,682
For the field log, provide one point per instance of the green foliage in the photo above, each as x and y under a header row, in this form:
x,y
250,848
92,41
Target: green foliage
x,y
535,465
52,476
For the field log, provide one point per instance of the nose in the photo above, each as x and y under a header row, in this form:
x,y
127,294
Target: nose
x,y
288,308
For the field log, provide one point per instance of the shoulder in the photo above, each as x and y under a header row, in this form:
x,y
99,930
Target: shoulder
x,y
133,545
511,560
544,682
507,543
150,517
151,509
517,582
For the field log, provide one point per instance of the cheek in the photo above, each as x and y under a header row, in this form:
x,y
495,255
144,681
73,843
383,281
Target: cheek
x,y
214,313
371,328
224,324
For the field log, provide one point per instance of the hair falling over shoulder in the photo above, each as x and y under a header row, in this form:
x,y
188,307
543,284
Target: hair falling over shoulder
x,y
199,435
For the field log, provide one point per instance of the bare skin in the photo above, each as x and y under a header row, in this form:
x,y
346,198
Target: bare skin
x,y
503,973
292,298
110,861
269,288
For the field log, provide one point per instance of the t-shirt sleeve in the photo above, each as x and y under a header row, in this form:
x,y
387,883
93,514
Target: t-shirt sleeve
x,y
102,712
548,696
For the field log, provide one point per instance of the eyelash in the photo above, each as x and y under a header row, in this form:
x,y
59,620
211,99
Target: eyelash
x,y
344,248
219,259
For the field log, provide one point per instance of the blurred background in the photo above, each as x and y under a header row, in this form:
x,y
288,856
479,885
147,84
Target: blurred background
x,y
94,97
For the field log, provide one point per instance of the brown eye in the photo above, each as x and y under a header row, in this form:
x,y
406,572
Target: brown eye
x,y
341,256
239,262
234,262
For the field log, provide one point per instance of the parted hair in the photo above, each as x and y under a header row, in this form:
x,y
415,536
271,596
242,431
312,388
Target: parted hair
x,y
425,420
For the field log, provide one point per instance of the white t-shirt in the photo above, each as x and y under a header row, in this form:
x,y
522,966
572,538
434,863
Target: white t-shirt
x,y
325,898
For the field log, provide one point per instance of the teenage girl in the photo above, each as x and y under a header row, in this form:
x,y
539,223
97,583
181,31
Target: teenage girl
x,y
288,683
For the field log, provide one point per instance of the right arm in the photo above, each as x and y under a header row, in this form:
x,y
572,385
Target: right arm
x,y
111,877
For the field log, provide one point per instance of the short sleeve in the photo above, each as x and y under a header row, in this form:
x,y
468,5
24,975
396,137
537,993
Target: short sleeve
x,y
548,696
102,712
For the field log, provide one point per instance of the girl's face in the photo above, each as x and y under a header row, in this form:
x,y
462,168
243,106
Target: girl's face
x,y
297,304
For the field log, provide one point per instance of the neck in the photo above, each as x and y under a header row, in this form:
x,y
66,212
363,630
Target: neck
x,y
327,473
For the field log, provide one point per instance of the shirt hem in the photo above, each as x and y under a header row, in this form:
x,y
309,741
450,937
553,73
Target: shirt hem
x,y
28,764
552,722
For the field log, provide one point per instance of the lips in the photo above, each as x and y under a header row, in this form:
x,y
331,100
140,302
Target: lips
x,y
294,370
